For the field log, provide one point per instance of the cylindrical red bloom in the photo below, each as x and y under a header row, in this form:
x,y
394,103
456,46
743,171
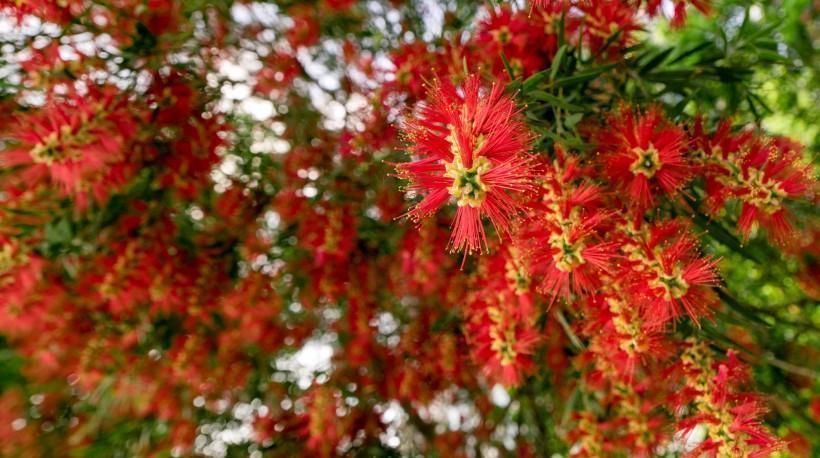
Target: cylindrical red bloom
x,y
470,147
644,154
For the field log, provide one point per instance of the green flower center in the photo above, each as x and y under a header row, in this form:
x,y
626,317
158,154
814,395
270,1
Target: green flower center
x,y
54,148
647,161
568,255
674,285
503,338
47,152
764,194
468,187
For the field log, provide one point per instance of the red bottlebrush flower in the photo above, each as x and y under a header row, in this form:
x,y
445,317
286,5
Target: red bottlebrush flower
x,y
502,339
72,142
280,70
588,436
574,257
731,418
305,29
407,60
422,254
762,173
471,148
562,234
718,152
324,428
188,137
770,173
617,329
512,33
643,153
680,283
332,237
604,18
501,318
667,275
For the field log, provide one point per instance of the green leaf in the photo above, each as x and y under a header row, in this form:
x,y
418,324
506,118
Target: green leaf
x,y
656,60
582,77
693,50
533,80
59,232
555,101
572,120
556,63
765,55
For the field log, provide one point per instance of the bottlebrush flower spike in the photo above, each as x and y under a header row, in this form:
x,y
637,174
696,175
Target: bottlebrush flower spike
x,y
762,173
72,142
681,284
513,32
471,147
502,339
643,153
323,428
718,152
563,232
769,175
603,19
667,274
731,418
618,331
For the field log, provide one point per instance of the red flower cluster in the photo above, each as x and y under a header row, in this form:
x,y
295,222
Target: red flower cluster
x,y
761,173
564,230
473,149
81,147
711,400
624,263
501,329
607,16
644,154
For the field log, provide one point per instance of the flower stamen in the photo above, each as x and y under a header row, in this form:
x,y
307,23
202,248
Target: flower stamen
x,y
468,188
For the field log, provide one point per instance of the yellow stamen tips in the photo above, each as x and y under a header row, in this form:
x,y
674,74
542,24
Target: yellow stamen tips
x,y
764,194
468,187
647,161
502,35
674,285
503,338
9,257
627,326
517,276
48,151
568,255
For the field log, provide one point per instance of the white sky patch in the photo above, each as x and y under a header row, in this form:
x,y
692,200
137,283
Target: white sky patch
x,y
303,366
257,108
500,396
433,17
214,439
395,419
755,13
